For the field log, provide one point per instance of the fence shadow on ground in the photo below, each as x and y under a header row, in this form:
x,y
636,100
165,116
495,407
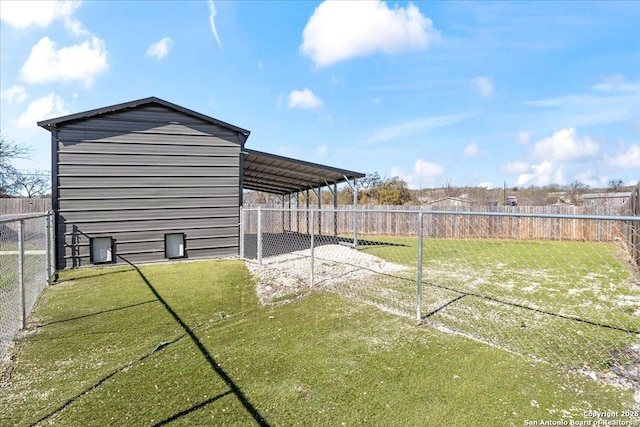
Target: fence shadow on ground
x,y
233,387
188,332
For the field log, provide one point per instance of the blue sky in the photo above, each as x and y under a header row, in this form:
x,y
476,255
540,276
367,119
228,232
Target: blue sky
x,y
472,93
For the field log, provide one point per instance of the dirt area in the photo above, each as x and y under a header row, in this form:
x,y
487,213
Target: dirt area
x,y
290,274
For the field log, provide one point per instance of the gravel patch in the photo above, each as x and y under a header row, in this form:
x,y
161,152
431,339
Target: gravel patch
x,y
290,274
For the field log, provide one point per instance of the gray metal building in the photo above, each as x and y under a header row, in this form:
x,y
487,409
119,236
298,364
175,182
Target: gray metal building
x,y
148,180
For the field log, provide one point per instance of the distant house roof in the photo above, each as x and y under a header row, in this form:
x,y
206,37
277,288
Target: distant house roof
x,y
606,199
450,201
261,171
619,195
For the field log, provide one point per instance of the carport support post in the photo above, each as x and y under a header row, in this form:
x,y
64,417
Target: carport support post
x,y
290,218
282,195
259,236
306,192
419,284
312,247
355,212
320,210
23,299
335,209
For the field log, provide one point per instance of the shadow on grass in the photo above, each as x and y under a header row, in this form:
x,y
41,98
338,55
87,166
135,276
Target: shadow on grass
x,y
104,379
192,409
252,410
233,388
95,314
521,306
105,272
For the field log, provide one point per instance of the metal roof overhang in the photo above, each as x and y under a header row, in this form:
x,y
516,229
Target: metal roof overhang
x,y
283,175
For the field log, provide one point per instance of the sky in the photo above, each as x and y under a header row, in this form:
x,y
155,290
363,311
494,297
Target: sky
x,y
464,93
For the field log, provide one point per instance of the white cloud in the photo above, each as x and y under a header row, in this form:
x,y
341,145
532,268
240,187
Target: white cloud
x,y
630,159
161,48
340,30
472,150
483,85
588,177
212,23
82,62
303,99
425,169
517,167
322,151
616,83
609,103
524,137
543,174
415,126
23,14
423,175
75,27
43,108
565,145
486,184
15,94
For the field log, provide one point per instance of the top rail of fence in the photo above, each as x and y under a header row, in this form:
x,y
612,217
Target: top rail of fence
x,y
460,213
18,217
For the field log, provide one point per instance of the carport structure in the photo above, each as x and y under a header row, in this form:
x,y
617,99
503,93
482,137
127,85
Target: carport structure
x,y
149,181
288,178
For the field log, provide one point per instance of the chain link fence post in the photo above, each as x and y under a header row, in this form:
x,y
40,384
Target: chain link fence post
x,y
23,299
48,246
259,237
241,233
419,284
312,231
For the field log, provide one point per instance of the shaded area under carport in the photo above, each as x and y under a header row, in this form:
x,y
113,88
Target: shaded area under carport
x,y
283,243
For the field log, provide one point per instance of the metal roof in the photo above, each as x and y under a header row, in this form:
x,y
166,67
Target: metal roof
x,y
261,172
283,175
51,124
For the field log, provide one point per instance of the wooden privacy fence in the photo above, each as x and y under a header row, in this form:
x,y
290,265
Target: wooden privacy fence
x,y
19,206
396,222
631,230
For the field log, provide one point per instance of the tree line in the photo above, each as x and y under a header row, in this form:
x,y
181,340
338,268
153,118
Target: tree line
x,y
374,189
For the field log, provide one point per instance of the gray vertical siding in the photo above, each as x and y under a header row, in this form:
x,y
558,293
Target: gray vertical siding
x,y
138,174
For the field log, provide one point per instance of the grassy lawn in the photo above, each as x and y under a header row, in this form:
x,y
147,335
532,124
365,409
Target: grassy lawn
x,y
189,344
568,302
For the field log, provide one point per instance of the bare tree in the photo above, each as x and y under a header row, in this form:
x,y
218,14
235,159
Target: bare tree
x,y
370,181
449,189
35,183
10,150
576,189
615,184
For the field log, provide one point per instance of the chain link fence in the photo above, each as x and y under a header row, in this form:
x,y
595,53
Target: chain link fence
x,y
561,288
26,266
